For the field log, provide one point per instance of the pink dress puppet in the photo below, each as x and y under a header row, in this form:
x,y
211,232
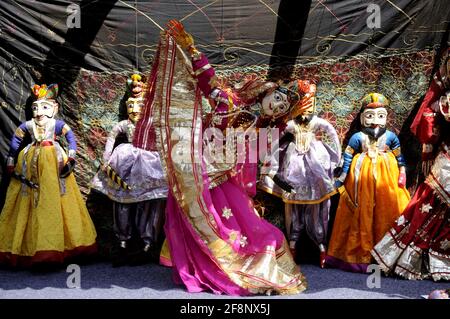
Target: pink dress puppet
x,y
261,118
418,244
217,243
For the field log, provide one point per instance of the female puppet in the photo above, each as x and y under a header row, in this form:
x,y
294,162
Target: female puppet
x,y
134,180
216,240
44,219
374,192
303,166
418,244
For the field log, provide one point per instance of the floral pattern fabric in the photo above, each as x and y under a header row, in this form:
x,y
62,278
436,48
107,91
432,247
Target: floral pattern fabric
x,y
340,87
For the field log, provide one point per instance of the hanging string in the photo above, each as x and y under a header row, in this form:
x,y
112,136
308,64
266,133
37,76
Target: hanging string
x,y
221,23
41,49
136,35
372,63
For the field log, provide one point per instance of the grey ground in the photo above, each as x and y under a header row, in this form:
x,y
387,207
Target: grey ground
x,y
101,281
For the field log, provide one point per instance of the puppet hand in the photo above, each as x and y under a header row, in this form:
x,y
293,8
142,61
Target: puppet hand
x,y
285,186
68,167
10,165
176,30
10,169
402,179
338,183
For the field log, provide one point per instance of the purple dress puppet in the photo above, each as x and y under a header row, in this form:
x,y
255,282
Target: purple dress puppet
x,y
134,180
300,171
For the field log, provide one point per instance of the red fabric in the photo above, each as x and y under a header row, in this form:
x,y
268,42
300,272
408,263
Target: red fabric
x,y
205,77
402,179
144,134
425,128
417,128
424,229
46,143
46,257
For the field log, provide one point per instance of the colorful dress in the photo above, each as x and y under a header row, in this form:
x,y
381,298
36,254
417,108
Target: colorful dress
x,y
141,170
418,244
51,223
307,157
217,242
370,202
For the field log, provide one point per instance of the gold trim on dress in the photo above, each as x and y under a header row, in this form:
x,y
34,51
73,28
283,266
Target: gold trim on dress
x,y
202,69
65,129
349,150
397,151
175,108
19,133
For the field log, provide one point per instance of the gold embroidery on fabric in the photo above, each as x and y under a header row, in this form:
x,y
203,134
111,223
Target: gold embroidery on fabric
x,y
226,212
202,69
181,131
65,129
19,133
349,150
303,137
218,180
397,151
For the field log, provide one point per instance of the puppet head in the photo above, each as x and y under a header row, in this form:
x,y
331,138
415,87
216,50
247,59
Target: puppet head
x,y
302,98
373,111
45,106
135,102
275,103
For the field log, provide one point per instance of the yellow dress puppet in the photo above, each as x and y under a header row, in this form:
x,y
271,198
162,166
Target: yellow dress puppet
x,y
44,219
373,194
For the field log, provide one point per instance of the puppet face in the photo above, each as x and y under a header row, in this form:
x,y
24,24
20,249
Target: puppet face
x,y
134,108
310,108
444,106
374,117
275,104
43,111
306,112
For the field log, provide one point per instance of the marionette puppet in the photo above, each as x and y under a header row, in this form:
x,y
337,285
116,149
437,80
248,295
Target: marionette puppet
x,y
418,244
300,171
44,220
247,108
134,180
373,194
217,243
262,112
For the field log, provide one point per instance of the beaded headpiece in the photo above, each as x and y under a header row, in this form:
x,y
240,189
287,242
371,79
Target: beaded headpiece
x,y
45,92
374,100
